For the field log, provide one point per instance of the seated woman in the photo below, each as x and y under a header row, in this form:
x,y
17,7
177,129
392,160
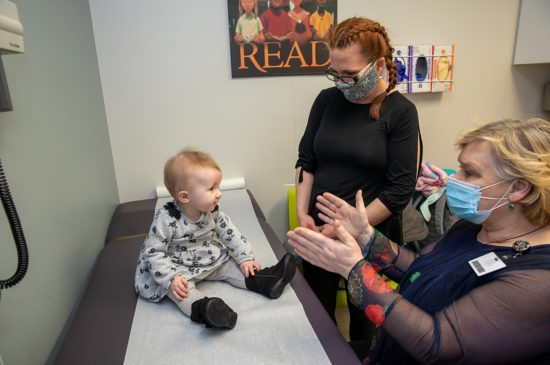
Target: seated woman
x,y
480,294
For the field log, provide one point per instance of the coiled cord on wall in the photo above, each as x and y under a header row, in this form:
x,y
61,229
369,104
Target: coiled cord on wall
x,y
17,231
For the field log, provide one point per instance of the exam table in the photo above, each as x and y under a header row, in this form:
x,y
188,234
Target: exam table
x,y
100,330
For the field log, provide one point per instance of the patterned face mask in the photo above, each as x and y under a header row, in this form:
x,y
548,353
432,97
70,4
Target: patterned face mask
x,y
365,84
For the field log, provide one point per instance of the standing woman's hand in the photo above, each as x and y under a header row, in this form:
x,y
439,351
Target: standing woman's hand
x,y
306,221
354,219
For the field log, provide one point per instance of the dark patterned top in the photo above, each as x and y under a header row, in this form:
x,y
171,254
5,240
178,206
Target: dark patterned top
x,y
442,312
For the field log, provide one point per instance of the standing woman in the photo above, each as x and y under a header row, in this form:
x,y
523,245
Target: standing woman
x,y
361,134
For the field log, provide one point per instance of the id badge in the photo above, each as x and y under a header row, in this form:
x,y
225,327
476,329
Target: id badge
x,y
486,264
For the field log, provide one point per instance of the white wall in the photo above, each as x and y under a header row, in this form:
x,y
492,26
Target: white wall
x,y
167,83
56,155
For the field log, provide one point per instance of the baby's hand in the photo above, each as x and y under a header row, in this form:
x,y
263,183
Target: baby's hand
x,y
179,288
249,267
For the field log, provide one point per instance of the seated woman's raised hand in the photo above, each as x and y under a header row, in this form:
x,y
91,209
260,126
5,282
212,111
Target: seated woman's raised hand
x,y
337,255
353,219
431,179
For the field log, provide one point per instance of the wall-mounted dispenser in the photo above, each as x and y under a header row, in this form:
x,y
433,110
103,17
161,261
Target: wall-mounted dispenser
x,y
424,69
11,42
11,30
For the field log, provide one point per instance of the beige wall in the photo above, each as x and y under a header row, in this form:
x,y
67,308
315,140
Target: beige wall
x,y
167,83
56,155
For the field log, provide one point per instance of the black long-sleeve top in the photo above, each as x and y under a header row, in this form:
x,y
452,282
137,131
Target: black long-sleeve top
x,y
347,150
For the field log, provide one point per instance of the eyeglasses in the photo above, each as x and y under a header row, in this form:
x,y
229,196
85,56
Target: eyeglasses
x,y
350,80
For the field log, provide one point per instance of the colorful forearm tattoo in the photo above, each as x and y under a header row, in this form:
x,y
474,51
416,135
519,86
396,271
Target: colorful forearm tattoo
x,y
368,291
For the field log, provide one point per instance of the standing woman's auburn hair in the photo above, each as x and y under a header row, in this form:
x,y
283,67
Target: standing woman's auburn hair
x,y
375,44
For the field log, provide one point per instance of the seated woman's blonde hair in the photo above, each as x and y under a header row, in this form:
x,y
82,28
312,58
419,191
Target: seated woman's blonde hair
x,y
521,150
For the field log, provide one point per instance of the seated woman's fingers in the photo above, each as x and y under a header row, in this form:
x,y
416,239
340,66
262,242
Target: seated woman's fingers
x,y
441,174
333,199
337,256
326,204
329,213
359,202
325,219
427,171
426,180
424,183
343,234
303,252
302,243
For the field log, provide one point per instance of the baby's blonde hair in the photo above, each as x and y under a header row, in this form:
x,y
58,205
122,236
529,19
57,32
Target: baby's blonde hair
x,y
521,150
178,168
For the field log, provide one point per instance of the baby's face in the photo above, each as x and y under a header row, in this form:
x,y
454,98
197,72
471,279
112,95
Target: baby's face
x,y
248,5
204,191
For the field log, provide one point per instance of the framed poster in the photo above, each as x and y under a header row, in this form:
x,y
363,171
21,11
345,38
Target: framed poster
x,y
279,37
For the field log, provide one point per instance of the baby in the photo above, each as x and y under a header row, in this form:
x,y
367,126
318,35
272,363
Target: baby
x,y
191,240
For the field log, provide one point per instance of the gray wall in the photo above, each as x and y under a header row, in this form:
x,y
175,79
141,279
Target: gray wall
x,y
57,157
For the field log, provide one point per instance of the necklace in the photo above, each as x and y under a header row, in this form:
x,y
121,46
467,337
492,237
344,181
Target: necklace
x,y
511,238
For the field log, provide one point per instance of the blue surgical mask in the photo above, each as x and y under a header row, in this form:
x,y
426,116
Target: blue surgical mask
x,y
363,87
463,199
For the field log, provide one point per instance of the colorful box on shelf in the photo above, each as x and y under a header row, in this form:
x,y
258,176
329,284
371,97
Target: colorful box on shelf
x,y
421,62
401,58
424,69
442,68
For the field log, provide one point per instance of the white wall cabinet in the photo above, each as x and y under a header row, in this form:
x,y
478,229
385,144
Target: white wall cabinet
x,y
533,33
